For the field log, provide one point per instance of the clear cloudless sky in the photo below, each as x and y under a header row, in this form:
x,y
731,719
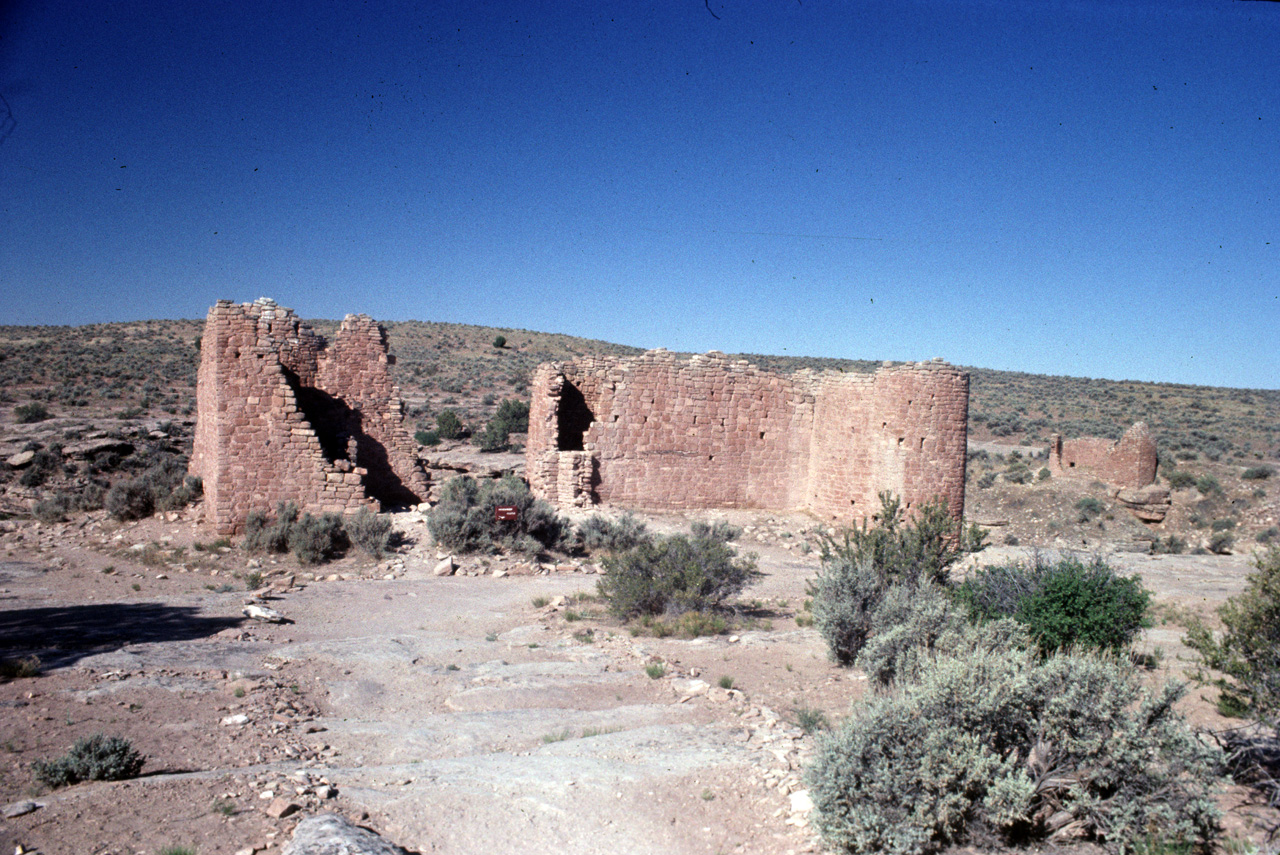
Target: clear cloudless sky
x,y
1073,187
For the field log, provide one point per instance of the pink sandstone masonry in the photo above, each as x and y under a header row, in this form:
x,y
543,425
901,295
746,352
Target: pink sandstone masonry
x,y
662,432
283,416
1130,463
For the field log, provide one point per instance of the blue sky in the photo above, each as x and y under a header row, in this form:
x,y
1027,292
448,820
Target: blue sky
x,y
1053,186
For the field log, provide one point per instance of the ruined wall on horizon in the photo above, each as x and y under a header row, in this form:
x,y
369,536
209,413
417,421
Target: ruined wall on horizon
x,y
664,432
283,416
1130,462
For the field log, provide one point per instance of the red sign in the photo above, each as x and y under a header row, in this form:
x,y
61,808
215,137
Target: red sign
x,y
506,512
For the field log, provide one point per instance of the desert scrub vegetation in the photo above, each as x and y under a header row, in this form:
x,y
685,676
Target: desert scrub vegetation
x,y
511,417
601,534
683,577
1000,708
464,519
369,531
851,601
991,740
1063,604
29,413
312,539
1247,655
94,758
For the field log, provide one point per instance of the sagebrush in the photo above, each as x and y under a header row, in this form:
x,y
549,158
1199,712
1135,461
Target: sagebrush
x,y
675,575
464,518
95,758
992,740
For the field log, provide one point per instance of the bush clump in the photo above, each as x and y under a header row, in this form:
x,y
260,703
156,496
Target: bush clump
x,y
25,414
1062,604
512,417
858,573
675,575
448,425
991,739
369,531
463,520
601,534
312,539
1257,473
96,758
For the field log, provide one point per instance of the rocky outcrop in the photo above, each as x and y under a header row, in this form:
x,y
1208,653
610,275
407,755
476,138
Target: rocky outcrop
x,y
330,834
1149,504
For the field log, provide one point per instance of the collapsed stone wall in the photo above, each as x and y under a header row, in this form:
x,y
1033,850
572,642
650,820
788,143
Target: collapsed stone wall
x,y
284,416
1130,462
662,432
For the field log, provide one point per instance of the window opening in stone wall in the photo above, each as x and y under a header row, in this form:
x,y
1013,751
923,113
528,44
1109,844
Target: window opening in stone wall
x,y
573,418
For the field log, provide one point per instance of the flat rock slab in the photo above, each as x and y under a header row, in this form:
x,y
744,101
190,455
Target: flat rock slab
x,y
330,834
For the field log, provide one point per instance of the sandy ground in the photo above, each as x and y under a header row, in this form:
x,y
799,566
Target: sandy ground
x,y
472,713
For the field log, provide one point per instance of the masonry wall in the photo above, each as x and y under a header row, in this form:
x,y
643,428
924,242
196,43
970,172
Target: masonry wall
x,y
664,432
1129,462
283,417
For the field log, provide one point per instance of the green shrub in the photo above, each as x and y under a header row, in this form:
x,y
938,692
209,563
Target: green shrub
x,y
97,758
25,414
1018,472
311,539
1221,543
131,499
987,480
973,538
314,540
1171,545
53,509
500,342
992,739
427,437
448,425
1044,474
369,531
11,669
463,520
46,463
673,575
601,534
1225,524
857,574
1179,479
1249,650
1063,605
1208,485
1089,507
1257,473
1268,535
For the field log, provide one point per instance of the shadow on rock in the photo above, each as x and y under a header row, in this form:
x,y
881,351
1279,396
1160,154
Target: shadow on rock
x,y
63,635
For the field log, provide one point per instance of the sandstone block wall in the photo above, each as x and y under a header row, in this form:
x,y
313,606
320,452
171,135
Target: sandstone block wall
x,y
663,432
1130,462
283,416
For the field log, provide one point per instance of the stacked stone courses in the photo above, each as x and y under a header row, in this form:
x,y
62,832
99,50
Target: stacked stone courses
x,y
282,416
663,432
1131,462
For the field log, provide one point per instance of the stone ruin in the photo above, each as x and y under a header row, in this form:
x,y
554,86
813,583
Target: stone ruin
x,y
1128,466
285,416
667,433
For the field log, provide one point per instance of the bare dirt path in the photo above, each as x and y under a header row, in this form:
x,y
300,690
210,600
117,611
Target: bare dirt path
x,y
451,714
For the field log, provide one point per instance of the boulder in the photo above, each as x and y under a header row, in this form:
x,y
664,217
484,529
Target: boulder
x,y
1149,504
21,459
330,834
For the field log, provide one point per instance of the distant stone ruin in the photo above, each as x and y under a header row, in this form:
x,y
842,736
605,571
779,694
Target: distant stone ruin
x,y
662,432
285,416
1130,462
1127,466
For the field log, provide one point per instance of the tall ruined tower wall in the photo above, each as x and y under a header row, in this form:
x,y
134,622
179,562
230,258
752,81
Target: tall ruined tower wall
x,y
668,433
282,417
